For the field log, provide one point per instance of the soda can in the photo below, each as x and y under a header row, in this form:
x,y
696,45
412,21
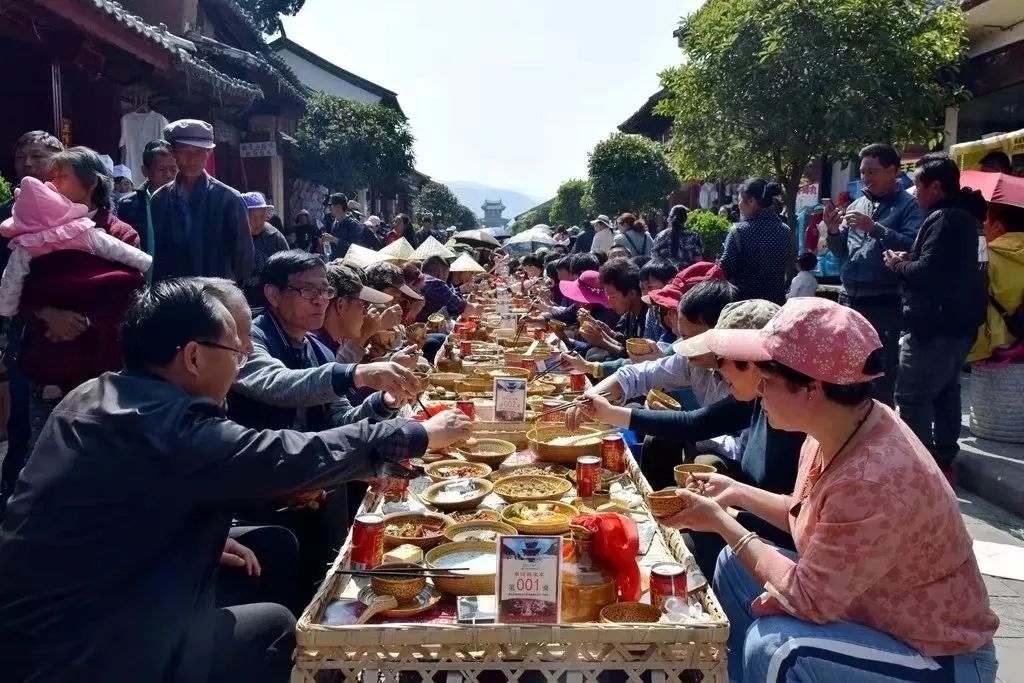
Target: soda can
x,y
668,579
577,381
588,475
538,334
553,415
467,407
465,348
367,541
613,453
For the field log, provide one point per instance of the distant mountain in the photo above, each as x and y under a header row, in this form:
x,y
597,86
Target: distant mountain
x,y
473,195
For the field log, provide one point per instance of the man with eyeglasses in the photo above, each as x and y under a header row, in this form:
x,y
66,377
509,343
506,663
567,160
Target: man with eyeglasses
x,y
111,543
291,381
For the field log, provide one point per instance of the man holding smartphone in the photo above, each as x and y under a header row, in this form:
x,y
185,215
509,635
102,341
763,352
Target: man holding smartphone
x,y
884,218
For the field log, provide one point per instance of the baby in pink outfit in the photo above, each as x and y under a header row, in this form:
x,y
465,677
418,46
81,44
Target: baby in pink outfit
x,y
45,221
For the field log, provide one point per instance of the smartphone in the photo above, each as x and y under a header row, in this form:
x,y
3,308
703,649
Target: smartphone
x,y
827,203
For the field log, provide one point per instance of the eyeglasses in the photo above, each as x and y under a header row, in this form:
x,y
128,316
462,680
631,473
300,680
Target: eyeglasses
x,y
240,356
311,293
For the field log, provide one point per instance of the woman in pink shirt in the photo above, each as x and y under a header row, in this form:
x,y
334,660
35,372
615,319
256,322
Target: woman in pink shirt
x,y
884,585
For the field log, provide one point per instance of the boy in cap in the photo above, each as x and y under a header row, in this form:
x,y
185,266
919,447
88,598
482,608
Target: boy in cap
x,y
343,230
200,224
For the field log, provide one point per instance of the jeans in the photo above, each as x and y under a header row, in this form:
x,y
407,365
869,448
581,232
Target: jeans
x,y
775,649
435,340
886,315
928,392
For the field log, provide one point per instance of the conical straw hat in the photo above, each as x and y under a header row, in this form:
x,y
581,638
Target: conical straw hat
x,y
399,250
431,247
361,256
466,264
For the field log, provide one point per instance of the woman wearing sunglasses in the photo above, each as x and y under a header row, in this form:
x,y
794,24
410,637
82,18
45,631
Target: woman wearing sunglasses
x,y
884,585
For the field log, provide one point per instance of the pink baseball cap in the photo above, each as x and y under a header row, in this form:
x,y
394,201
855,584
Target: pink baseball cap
x,y
585,290
817,337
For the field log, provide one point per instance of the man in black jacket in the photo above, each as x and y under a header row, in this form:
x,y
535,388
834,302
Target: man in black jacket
x,y
160,168
112,539
944,300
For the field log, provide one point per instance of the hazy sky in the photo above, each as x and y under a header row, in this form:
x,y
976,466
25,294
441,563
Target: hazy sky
x,y
509,93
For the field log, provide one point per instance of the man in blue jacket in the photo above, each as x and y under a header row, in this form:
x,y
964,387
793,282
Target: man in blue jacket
x,y
885,218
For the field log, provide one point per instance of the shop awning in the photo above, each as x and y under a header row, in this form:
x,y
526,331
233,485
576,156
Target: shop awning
x,y
968,155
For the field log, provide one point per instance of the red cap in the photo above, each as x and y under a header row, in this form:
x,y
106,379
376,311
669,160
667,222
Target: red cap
x,y
669,295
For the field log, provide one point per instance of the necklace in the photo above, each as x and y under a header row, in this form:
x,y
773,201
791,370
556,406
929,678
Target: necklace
x,y
811,482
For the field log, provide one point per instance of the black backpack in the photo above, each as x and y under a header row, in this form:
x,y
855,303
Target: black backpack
x,y
1014,321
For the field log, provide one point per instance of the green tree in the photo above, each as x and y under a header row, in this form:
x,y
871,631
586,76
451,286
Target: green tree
x,y
5,190
542,214
266,13
525,222
712,229
351,145
630,173
573,204
465,219
438,200
768,86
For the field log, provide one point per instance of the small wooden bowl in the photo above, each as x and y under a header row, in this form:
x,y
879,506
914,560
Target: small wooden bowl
x,y
475,384
639,346
630,613
665,503
540,388
404,589
540,528
659,400
487,451
485,516
489,373
433,469
682,472
465,583
556,326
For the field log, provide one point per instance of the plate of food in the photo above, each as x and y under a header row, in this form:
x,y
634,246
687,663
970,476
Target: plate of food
x,y
423,529
478,515
547,517
478,531
456,469
487,451
457,494
539,469
531,487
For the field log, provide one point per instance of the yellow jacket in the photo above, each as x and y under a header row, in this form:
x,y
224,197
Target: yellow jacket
x,y
1006,284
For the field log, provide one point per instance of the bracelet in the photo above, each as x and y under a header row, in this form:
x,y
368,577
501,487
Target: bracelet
x,y
742,543
596,370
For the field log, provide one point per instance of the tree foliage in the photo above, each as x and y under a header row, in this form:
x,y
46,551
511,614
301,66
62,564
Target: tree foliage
x,y
465,219
5,190
352,145
712,229
573,204
805,79
630,173
266,13
438,200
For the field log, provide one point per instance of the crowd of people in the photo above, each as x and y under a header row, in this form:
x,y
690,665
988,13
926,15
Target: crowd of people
x,y
200,397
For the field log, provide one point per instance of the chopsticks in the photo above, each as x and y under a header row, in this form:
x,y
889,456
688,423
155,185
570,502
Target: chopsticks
x,y
424,572
562,406
557,366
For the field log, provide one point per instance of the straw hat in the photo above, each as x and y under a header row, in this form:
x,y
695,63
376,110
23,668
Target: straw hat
x,y
431,247
466,264
399,250
361,256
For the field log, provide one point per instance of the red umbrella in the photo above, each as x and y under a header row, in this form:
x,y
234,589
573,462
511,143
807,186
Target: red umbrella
x,y
995,187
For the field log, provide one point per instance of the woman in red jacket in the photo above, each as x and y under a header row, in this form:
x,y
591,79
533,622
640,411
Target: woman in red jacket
x,y
73,301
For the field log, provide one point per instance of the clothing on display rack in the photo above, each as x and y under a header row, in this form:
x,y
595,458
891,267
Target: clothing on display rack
x,y
138,129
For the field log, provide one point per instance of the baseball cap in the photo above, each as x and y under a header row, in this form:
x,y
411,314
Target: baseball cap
x,y
347,281
685,280
751,314
817,337
122,171
603,219
190,132
255,200
354,207
587,289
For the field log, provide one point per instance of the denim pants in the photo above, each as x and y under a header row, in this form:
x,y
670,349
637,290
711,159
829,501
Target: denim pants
x,y
776,649
928,391
886,315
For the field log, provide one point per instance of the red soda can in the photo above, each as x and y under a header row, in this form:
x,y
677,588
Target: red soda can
x,y
667,579
588,475
613,453
577,381
553,415
467,407
367,541
465,348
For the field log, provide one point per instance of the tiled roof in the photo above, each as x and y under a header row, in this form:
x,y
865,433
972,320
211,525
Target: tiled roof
x,y
114,10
